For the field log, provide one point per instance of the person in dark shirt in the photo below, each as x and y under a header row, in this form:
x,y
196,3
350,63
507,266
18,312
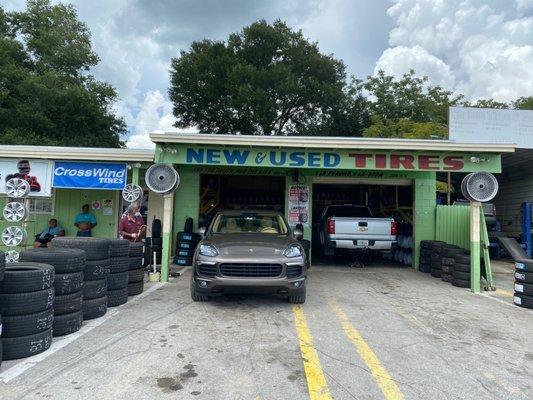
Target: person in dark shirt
x,y
131,226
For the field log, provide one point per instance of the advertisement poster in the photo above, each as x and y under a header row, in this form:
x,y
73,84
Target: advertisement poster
x,y
38,174
89,175
107,208
298,204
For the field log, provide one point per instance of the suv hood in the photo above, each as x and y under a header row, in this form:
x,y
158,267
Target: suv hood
x,y
250,244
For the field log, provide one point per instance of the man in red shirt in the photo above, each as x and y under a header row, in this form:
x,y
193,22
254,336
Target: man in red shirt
x,y
132,226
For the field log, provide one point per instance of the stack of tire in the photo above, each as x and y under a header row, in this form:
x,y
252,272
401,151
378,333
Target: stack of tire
x,y
26,305
68,285
136,270
461,270
154,244
186,242
426,253
117,280
97,268
523,286
2,269
449,251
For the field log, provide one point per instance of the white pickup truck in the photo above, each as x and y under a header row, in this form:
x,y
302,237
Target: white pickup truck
x,y
354,227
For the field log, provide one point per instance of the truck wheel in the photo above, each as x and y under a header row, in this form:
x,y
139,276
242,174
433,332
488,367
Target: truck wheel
x,y
297,299
195,296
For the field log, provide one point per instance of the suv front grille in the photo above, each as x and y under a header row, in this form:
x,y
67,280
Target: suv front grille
x,y
293,271
207,270
251,270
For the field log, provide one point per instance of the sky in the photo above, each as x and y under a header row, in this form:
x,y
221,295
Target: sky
x,y
483,49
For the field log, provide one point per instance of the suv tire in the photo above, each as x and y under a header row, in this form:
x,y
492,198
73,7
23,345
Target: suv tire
x,y
195,296
297,299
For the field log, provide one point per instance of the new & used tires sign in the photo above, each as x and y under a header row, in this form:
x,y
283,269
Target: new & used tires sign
x,y
89,175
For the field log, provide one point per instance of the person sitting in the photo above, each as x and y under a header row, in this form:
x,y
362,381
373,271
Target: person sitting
x,y
85,221
132,227
44,239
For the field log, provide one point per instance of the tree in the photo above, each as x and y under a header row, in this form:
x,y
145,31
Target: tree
x,y
523,103
405,128
265,80
46,94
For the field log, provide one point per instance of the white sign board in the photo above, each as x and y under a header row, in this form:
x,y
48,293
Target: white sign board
x,y
487,125
38,173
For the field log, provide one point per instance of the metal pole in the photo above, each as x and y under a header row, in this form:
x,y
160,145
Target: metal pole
x,y
475,228
168,205
448,188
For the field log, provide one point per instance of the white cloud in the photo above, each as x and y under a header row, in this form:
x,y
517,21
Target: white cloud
x,y
472,46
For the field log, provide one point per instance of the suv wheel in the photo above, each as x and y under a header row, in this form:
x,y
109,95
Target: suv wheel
x,y
198,297
297,299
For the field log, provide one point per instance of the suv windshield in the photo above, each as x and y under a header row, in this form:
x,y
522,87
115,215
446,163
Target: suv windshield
x,y
249,223
348,212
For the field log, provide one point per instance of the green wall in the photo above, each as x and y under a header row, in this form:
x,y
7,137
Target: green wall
x,y
424,210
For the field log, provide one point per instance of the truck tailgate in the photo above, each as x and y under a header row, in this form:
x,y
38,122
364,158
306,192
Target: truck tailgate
x,y
363,228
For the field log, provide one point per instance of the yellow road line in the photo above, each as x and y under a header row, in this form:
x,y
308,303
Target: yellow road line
x,y
385,381
316,381
504,293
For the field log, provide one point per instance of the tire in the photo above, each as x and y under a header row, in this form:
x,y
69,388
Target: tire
x,y
523,300
446,277
68,303
195,296
464,276
297,299
462,259
94,308
188,225
2,268
156,228
117,281
520,276
136,275
186,245
117,297
186,237
135,288
64,261
136,249
119,264
447,269
436,273
67,323
27,277
26,346
524,265
119,248
95,248
184,261
94,289
68,283
461,267
452,251
97,269
135,263
26,303
28,324
460,283
523,288
186,253
154,241
425,260
447,261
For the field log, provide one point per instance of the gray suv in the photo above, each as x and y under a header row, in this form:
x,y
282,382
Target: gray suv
x,y
249,252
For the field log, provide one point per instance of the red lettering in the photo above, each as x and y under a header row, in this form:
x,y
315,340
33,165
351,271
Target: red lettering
x,y
428,162
381,161
405,161
360,159
452,163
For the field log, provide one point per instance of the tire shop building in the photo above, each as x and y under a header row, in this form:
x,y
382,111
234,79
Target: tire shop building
x,y
299,176
59,186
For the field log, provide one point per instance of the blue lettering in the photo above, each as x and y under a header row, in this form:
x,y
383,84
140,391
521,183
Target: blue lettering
x,y
282,158
314,159
213,156
195,156
331,160
297,159
236,156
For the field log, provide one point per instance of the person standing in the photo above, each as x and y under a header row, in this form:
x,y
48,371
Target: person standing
x,y
85,221
131,226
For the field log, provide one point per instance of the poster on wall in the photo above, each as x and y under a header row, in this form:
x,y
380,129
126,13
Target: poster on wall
x,y
38,174
89,175
298,204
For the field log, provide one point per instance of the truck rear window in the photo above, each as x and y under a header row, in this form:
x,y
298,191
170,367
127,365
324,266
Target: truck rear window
x,y
348,212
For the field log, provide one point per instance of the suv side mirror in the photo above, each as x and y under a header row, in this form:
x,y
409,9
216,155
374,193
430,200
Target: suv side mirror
x,y
201,231
298,234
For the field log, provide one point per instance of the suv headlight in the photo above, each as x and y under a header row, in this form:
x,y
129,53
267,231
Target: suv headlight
x,y
208,250
293,251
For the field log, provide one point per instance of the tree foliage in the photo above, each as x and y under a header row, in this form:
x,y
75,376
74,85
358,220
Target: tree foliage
x,y
265,80
47,96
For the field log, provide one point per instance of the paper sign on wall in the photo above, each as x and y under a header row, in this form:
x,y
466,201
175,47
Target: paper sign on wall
x,y
298,204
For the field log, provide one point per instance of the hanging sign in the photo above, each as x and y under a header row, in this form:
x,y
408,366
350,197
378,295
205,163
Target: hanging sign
x,y
298,204
89,175
38,174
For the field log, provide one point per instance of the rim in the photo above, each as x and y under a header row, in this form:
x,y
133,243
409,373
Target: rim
x,y
17,187
130,193
15,212
12,256
13,236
